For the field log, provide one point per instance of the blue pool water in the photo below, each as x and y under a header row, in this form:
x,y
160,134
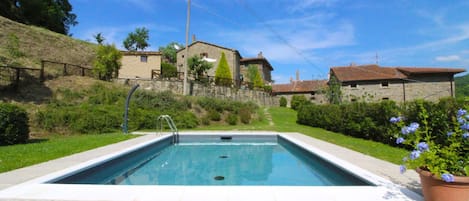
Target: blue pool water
x,y
215,160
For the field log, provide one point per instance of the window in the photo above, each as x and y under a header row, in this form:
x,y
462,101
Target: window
x,y
353,100
353,85
385,98
143,58
384,84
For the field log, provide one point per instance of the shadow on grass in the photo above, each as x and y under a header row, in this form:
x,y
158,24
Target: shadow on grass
x,y
36,140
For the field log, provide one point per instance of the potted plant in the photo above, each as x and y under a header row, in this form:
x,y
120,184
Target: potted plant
x,y
443,165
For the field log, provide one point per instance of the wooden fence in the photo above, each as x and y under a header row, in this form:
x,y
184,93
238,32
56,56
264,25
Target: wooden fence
x,y
13,76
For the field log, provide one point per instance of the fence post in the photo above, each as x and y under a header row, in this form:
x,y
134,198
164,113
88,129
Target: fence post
x,y
17,79
41,74
65,69
82,71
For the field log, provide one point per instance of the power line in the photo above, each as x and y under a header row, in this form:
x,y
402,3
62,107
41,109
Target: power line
x,y
279,36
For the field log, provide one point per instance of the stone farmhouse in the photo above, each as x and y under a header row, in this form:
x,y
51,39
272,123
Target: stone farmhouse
x,y
238,65
313,90
263,66
139,64
375,83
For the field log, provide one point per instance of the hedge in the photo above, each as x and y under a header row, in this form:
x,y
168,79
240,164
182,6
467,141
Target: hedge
x,y
371,120
14,128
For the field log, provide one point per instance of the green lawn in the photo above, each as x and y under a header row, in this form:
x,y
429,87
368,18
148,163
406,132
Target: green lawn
x,y
52,147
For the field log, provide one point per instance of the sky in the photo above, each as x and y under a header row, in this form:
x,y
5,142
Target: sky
x,y
309,36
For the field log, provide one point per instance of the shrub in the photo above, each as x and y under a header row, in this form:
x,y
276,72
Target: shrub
x,y
232,119
168,70
283,101
14,126
245,115
297,101
213,115
185,119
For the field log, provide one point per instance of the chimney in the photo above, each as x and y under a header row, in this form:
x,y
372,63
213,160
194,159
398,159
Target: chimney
x,y
297,75
193,38
260,55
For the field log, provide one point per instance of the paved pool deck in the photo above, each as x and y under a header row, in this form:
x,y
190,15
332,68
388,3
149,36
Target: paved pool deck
x,y
409,180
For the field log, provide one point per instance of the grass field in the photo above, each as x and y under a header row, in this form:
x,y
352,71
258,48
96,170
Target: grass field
x,y
52,147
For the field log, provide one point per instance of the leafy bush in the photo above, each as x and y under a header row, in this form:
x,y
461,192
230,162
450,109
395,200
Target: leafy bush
x,y
297,101
283,101
245,115
14,126
232,119
185,119
168,70
371,120
213,115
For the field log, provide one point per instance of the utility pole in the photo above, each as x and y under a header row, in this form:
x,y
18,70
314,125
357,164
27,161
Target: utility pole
x,y
186,57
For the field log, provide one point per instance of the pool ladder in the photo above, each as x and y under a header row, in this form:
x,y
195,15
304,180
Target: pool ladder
x,y
172,126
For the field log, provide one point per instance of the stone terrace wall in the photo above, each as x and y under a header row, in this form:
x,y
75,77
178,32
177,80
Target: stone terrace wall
x,y
226,93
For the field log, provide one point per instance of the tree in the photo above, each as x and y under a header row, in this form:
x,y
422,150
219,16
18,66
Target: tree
x,y
168,70
137,40
54,15
254,76
99,38
333,91
223,74
169,52
107,62
198,66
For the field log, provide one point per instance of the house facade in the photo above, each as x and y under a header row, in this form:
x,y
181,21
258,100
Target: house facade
x,y
262,65
313,90
139,64
211,53
371,83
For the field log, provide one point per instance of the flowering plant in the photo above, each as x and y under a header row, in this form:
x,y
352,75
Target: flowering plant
x,y
444,158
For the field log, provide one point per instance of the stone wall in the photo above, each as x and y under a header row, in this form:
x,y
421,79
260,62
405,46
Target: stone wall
x,y
431,88
226,93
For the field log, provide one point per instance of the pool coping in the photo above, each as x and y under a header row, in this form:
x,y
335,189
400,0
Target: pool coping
x,y
386,190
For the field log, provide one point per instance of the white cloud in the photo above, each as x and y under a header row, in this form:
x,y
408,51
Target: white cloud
x,y
448,58
300,5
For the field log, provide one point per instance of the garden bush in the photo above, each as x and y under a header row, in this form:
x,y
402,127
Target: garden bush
x,y
245,115
283,101
213,115
14,128
371,120
232,119
297,101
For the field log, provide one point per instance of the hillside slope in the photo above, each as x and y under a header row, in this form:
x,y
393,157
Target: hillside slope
x,y
41,44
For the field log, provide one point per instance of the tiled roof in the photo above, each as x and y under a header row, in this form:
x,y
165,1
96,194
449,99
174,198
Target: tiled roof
x,y
410,71
140,53
211,44
256,59
300,86
375,72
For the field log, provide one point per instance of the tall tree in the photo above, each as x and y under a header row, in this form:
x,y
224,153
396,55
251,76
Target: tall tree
x,y
55,15
137,40
198,66
169,51
223,74
254,76
107,62
333,92
99,38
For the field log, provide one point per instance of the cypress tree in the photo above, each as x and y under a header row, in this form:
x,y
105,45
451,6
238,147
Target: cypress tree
x,y
223,74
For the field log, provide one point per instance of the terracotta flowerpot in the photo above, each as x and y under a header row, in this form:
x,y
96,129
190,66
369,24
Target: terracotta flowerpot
x,y
435,189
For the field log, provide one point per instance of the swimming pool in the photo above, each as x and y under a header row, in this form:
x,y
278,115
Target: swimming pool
x,y
269,160
41,188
